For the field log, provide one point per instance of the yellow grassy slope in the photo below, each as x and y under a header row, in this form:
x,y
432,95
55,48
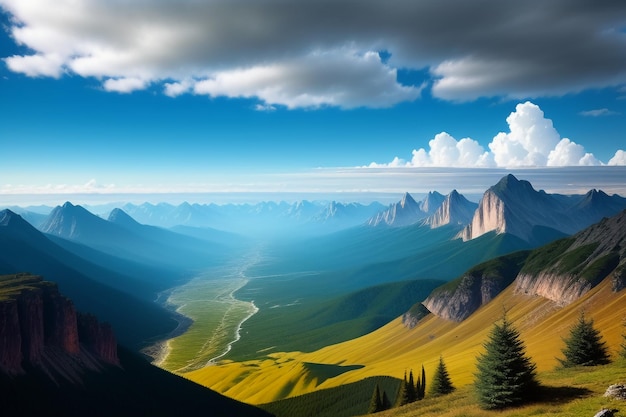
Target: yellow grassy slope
x,y
393,348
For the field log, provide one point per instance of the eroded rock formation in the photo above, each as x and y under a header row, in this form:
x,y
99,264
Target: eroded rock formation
x,y
37,323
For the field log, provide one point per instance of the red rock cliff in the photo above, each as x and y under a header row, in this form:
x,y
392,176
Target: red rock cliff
x,y
36,318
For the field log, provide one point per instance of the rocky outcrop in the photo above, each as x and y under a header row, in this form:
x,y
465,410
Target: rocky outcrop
x,y
458,301
617,391
97,337
407,211
39,326
455,209
10,337
562,289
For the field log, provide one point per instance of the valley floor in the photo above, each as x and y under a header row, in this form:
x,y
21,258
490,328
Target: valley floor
x,y
216,316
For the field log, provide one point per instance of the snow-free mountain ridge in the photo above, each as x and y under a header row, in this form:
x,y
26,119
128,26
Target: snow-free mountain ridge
x,y
513,206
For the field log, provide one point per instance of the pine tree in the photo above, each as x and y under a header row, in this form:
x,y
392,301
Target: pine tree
x,y
506,376
403,395
584,346
410,388
420,389
441,383
386,404
376,403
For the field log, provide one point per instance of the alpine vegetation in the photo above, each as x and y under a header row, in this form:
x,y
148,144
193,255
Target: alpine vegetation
x,y
584,346
505,376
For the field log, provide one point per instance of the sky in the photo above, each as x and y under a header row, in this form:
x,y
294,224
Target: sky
x,y
193,99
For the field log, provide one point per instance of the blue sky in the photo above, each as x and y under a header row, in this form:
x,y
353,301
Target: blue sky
x,y
321,97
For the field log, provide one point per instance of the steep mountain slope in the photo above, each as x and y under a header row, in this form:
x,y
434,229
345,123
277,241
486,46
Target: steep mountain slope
x,y
561,271
394,348
568,268
513,206
23,248
455,209
57,361
407,211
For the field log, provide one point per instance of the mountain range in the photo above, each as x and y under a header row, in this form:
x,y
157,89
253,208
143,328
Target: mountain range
x,y
513,206
351,271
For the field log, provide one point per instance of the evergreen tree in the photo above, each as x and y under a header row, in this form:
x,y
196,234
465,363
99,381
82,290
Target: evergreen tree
x,y
403,395
411,391
423,388
420,389
505,376
584,346
386,404
441,383
376,403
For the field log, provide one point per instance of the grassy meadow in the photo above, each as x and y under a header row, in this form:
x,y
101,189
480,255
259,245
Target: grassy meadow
x,y
392,349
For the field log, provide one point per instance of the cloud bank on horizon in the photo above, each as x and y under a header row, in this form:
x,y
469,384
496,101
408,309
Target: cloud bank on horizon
x,y
340,53
532,141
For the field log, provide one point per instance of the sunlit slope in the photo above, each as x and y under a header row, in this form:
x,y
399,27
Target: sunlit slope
x,y
393,349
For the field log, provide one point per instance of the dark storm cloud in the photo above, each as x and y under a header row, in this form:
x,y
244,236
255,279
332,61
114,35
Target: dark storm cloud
x,y
471,48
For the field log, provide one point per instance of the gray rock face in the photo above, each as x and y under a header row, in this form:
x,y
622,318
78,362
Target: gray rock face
x,y
605,412
617,391
561,289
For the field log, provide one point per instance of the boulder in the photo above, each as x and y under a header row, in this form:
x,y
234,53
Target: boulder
x,y
617,391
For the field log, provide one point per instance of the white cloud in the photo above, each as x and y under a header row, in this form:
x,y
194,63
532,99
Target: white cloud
x,y
342,78
619,158
38,65
568,153
124,85
598,112
175,89
529,141
532,141
265,107
469,51
446,151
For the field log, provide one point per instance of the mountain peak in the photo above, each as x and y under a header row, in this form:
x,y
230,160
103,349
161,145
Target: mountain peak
x,y
407,199
120,217
431,202
7,217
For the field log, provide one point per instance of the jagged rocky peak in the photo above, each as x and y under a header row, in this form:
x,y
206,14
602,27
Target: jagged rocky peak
x,y
431,202
455,209
39,327
407,200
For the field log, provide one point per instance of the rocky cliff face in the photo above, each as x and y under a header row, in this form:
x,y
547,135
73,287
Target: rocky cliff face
x,y
407,211
39,327
458,302
513,206
562,289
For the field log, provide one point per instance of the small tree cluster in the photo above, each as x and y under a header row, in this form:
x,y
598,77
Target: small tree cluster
x,y
411,391
379,402
441,383
584,346
505,376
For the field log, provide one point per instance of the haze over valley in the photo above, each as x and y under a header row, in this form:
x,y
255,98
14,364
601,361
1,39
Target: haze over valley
x,y
285,282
